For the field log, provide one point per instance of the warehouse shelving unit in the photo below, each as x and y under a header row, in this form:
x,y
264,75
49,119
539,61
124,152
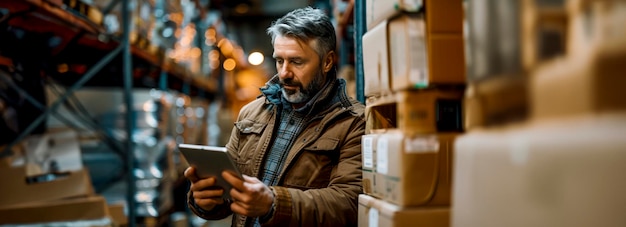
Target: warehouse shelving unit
x,y
84,54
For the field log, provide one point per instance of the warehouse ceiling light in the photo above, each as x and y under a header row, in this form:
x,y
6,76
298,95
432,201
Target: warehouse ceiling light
x,y
256,58
229,64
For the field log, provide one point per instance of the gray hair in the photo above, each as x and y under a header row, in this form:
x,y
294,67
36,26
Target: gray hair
x,y
306,24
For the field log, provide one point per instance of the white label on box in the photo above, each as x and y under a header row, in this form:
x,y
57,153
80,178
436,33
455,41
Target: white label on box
x,y
381,155
373,217
422,144
418,59
368,159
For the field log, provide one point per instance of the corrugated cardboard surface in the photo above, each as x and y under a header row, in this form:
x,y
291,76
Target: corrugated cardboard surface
x,y
376,61
375,212
418,59
16,190
444,16
415,169
565,171
82,208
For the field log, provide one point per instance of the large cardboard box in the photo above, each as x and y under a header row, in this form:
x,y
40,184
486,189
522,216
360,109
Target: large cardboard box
x,y
16,188
50,169
590,78
374,212
74,209
418,59
443,16
564,171
376,61
415,169
417,111
580,84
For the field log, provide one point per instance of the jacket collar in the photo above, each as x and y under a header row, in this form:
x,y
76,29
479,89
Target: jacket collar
x,y
332,92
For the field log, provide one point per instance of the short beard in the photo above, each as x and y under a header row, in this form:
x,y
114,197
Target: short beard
x,y
301,95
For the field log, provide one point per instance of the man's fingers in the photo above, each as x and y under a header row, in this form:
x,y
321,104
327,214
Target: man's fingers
x,y
250,179
203,184
190,173
213,193
233,180
209,203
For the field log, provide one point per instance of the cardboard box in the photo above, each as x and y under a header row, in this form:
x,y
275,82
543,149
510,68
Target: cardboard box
x,y
427,111
495,101
444,16
116,212
420,60
15,188
564,171
74,209
580,84
415,169
375,212
592,71
376,61
417,111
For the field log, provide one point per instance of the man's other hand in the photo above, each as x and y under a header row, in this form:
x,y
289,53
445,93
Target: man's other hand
x,y
205,194
250,196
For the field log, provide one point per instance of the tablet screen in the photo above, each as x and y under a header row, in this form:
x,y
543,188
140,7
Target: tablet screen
x,y
210,161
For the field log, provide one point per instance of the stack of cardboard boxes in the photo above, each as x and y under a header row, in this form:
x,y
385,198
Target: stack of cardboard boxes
x,y
559,164
414,65
44,181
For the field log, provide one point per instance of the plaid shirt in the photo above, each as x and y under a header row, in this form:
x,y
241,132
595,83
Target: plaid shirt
x,y
291,123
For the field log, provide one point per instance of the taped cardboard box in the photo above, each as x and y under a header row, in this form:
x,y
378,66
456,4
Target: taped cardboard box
x,y
563,171
375,212
418,59
62,210
415,169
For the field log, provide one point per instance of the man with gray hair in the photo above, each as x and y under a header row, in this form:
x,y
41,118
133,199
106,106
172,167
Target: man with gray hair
x,y
299,144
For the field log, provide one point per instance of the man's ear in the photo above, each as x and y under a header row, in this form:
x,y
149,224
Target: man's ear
x,y
329,61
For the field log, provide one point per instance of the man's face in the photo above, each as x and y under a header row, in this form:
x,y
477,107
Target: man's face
x,y
299,69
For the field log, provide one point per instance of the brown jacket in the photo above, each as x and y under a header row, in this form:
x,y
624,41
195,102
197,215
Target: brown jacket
x,y
321,178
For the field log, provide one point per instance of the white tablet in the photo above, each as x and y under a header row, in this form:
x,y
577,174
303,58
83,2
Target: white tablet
x,y
211,161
